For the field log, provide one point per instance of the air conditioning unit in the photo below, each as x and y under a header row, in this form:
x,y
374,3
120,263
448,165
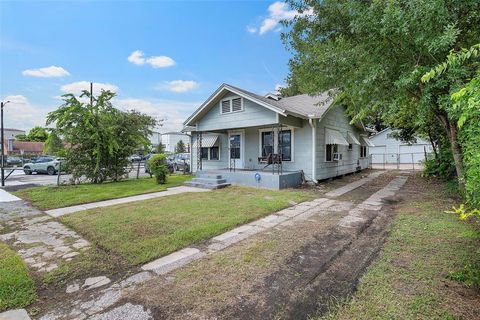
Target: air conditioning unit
x,y
337,156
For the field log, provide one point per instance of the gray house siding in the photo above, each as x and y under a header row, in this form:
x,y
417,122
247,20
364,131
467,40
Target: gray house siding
x,y
252,115
335,119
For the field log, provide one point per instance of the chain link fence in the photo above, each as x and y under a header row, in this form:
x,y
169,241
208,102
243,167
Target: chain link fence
x,y
399,161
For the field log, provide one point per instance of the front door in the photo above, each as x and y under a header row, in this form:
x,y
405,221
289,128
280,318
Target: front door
x,y
236,150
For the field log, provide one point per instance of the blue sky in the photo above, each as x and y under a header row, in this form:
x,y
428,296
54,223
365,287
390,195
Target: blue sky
x,y
163,57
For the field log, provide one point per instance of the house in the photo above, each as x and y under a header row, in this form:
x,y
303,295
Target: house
x,y
390,152
27,147
170,140
243,138
10,135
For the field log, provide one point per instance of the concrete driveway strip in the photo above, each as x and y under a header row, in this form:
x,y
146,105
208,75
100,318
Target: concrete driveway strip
x,y
354,185
170,191
7,197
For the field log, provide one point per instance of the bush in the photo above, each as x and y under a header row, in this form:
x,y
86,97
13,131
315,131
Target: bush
x,y
158,167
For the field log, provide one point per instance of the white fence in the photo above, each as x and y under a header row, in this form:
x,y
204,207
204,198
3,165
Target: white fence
x,y
401,161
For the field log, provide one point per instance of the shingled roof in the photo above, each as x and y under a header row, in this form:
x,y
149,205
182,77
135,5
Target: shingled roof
x,y
303,106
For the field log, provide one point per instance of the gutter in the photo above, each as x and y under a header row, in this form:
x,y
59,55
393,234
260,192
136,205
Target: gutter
x,y
313,125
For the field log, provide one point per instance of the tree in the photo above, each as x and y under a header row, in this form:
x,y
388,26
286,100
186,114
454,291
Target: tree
x,y
100,137
160,148
375,52
180,147
53,145
38,134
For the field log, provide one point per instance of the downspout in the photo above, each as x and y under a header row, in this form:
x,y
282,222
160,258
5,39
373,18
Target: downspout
x,y
314,148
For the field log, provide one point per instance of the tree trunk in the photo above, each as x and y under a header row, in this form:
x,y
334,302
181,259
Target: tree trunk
x,y
451,130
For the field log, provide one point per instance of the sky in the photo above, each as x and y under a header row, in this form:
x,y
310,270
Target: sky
x,y
163,58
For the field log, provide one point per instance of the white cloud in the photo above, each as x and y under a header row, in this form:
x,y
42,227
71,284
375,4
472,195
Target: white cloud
x,y
137,57
251,29
77,87
178,86
173,113
277,12
47,72
20,113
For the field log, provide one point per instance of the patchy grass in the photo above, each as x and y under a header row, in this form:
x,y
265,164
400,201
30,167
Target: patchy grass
x,y
53,197
417,274
143,231
17,289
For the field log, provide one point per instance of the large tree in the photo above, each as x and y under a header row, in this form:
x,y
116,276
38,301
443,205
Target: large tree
x,y
100,137
375,53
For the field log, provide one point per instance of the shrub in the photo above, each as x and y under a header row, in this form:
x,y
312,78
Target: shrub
x,y
158,167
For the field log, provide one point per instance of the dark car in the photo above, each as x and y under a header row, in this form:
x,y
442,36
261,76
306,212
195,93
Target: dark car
x,y
12,161
182,162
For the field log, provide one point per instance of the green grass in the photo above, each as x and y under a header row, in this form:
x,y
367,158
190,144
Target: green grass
x,y
17,289
412,279
53,197
143,231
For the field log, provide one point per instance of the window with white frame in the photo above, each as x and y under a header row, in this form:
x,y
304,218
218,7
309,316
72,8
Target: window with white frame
x,y
277,142
231,105
363,151
212,153
330,150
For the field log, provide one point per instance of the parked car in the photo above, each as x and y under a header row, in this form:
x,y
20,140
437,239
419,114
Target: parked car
x,y
134,158
12,161
44,164
182,162
169,164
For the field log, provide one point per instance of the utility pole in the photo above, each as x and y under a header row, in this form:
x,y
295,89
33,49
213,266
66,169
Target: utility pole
x,y
2,140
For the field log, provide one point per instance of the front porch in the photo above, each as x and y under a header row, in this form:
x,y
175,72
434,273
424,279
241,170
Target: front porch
x,y
256,178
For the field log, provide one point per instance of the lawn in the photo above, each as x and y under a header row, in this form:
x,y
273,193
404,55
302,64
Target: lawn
x,y
427,269
53,197
143,231
17,289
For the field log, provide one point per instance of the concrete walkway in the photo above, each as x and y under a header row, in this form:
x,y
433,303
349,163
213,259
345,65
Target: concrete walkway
x,y
353,185
7,196
170,191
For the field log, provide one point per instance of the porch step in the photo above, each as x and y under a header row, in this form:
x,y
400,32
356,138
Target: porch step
x,y
208,181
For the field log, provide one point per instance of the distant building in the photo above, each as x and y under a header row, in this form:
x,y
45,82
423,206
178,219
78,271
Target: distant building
x,y
170,140
10,135
27,147
155,138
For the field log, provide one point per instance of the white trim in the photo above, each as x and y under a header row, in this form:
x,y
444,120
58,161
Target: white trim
x,y
240,132
220,91
275,138
231,98
313,125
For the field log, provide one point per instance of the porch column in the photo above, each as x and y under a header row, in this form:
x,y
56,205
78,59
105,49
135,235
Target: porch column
x,y
313,125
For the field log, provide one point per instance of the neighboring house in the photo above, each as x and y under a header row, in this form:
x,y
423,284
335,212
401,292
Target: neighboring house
x,y
27,147
242,131
10,135
155,138
170,140
390,151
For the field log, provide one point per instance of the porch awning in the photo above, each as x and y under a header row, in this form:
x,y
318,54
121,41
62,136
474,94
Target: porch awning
x,y
207,141
335,137
368,142
351,139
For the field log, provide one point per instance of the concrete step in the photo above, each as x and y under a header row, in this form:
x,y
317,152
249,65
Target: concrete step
x,y
208,175
209,180
206,186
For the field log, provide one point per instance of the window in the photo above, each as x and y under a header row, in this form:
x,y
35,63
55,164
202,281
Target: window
x,y
267,143
235,146
285,144
231,105
350,147
330,150
214,153
204,153
363,151
236,104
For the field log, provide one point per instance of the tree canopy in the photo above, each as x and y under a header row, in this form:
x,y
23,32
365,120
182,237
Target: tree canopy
x,y
100,137
180,147
38,134
375,53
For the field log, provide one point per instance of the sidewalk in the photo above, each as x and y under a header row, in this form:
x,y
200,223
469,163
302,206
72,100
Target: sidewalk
x,y
7,197
170,191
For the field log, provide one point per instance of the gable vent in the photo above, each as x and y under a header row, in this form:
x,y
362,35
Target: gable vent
x,y
226,106
236,104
